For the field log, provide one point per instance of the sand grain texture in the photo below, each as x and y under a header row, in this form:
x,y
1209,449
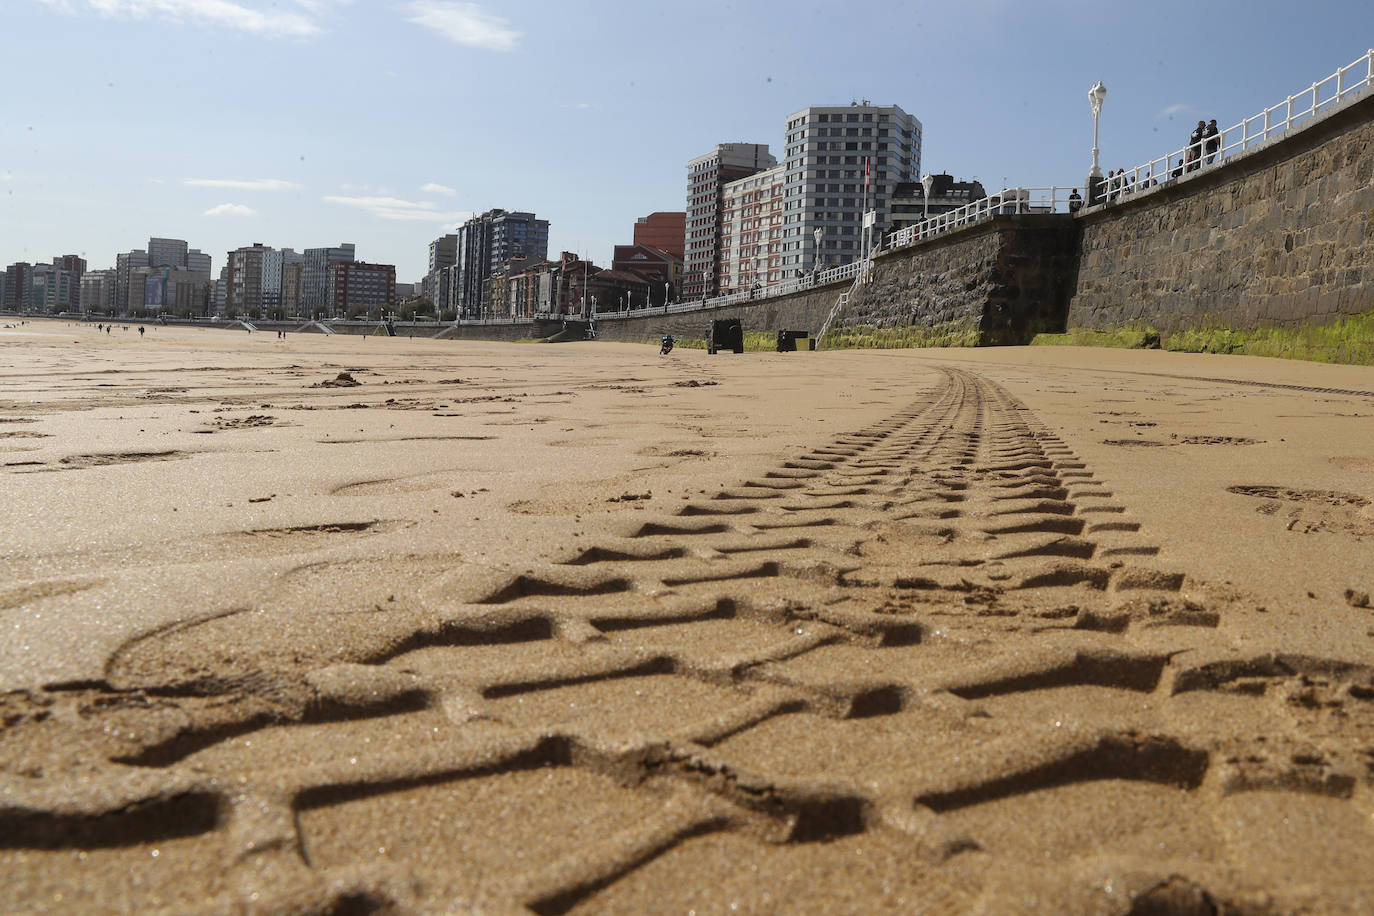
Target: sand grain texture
x,y
511,628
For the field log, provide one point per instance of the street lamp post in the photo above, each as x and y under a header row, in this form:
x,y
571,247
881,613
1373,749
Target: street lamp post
x,y
1095,96
816,260
927,183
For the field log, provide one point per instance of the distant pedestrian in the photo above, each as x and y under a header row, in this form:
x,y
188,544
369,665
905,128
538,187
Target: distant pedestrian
x,y
1075,201
140,330
1211,137
1195,146
1178,171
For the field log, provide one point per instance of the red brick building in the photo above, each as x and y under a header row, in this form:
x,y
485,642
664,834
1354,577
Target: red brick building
x,y
666,231
352,283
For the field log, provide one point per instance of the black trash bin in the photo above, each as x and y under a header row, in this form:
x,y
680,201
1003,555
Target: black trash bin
x,y
725,334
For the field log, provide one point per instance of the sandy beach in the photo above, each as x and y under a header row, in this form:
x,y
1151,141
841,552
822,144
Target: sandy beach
x,y
335,624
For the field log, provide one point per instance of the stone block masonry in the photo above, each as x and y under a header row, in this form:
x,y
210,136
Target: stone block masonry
x,y
999,282
1283,236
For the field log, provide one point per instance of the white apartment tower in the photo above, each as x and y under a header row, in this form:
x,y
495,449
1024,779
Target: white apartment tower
x,y
706,178
838,157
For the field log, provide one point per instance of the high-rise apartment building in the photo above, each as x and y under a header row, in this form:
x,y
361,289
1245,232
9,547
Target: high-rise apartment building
x,y
291,284
53,288
443,253
219,292
19,286
751,231
841,160
124,263
315,276
273,263
166,253
706,177
351,283
98,291
199,262
244,290
486,242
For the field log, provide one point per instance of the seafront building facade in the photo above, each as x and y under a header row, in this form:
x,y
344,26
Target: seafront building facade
x,y
483,244
98,291
243,293
443,254
751,232
706,177
166,252
315,276
358,283
841,161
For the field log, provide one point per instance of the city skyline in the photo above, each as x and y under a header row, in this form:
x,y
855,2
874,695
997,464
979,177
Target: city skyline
x,y
263,126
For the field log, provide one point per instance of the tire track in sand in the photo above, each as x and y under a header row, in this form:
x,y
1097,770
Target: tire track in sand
x,y
862,663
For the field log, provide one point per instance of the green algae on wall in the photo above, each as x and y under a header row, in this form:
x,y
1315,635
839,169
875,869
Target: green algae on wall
x,y
1346,340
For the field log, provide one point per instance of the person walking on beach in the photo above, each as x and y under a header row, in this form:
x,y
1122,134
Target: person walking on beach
x,y
140,330
1212,140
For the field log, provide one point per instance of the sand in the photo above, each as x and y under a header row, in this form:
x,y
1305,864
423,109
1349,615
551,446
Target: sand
x,y
512,628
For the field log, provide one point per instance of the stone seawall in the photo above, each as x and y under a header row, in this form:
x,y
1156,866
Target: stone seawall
x,y
1281,237
999,282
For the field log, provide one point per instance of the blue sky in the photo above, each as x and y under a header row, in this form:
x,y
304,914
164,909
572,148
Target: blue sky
x,y
385,123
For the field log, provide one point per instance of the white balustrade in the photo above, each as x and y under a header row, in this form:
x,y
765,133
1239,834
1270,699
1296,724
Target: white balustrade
x,y
1292,113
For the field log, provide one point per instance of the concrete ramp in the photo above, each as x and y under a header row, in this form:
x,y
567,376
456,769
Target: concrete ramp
x,y
572,330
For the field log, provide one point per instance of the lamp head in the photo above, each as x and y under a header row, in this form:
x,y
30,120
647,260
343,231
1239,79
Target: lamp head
x,y
1095,96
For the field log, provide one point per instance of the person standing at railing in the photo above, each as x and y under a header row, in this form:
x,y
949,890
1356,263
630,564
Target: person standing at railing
x,y
1178,171
1075,201
1212,140
1195,146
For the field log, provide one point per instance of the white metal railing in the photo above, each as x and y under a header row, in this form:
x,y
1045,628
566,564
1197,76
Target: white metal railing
x,y
783,288
1008,201
1292,113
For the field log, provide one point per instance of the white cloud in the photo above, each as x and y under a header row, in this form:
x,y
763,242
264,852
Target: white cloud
x,y
433,188
463,24
243,184
270,21
231,210
394,208
1170,111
